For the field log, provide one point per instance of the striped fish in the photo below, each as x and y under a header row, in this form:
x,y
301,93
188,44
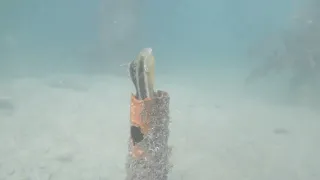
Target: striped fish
x,y
142,74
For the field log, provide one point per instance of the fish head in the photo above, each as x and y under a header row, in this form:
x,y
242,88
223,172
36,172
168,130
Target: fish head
x,y
146,55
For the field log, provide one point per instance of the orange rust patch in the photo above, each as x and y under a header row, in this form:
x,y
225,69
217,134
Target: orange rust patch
x,y
137,152
139,117
140,113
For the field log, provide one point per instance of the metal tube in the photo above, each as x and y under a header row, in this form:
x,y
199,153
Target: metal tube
x,y
149,153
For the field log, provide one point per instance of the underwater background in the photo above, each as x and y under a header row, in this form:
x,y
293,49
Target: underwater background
x,y
97,36
243,77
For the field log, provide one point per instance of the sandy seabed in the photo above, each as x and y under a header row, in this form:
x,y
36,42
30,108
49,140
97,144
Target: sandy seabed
x,y
72,127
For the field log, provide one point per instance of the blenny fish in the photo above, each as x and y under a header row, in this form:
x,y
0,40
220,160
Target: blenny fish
x,y
142,74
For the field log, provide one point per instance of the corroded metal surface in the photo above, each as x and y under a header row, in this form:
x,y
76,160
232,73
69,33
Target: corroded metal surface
x,y
148,159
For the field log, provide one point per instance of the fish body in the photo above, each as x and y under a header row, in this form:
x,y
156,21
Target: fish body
x,y
142,74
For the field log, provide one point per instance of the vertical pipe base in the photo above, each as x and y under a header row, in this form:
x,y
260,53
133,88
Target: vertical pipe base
x,y
149,153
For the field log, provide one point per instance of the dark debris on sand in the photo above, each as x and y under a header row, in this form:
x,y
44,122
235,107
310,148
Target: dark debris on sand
x,y
6,105
280,131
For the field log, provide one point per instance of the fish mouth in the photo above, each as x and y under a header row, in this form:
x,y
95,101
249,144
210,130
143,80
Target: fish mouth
x,y
146,51
145,54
